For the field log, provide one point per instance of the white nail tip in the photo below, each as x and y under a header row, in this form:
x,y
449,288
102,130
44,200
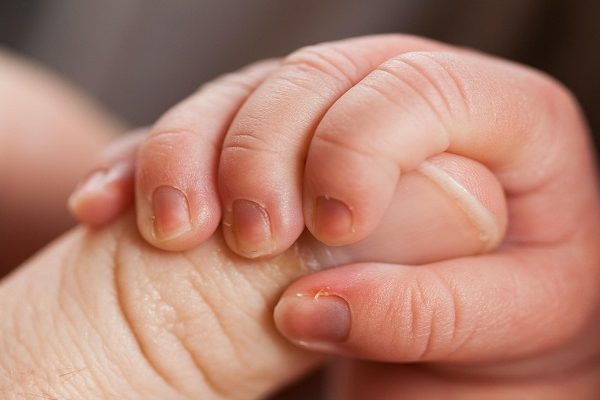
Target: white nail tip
x,y
481,218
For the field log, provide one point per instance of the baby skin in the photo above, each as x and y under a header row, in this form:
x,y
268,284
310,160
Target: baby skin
x,y
392,151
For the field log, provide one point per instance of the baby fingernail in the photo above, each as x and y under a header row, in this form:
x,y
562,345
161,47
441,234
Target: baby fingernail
x,y
333,219
99,183
171,213
251,227
317,322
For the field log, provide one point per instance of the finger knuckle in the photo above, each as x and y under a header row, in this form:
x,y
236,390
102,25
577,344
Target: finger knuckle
x,y
230,83
330,62
248,144
429,80
173,138
332,142
229,90
166,333
431,317
337,143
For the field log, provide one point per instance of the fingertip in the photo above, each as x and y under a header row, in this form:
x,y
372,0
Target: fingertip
x,y
248,230
314,320
176,202
171,213
333,221
341,216
103,195
168,222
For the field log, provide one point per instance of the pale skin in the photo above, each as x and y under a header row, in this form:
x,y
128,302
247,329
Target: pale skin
x,y
124,318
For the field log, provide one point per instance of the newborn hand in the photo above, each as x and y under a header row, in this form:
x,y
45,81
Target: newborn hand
x,y
321,142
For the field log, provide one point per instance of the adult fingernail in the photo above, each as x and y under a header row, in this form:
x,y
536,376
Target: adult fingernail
x,y
171,213
333,219
251,228
315,321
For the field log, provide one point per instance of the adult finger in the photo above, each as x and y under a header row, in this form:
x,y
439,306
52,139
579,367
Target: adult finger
x,y
102,314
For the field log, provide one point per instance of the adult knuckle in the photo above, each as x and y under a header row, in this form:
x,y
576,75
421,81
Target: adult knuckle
x,y
165,332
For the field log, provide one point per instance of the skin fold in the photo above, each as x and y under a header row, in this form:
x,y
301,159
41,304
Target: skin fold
x,y
124,320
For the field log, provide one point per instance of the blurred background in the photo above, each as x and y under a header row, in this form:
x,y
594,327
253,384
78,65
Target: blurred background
x,y
139,57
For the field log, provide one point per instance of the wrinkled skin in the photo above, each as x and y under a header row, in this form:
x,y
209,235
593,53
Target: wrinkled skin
x,y
154,325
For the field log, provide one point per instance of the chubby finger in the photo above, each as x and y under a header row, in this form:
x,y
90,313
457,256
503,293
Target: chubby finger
x,y
492,308
176,195
518,122
260,171
526,299
107,190
450,206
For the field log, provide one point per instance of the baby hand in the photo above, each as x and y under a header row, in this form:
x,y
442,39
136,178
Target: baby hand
x,y
321,140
